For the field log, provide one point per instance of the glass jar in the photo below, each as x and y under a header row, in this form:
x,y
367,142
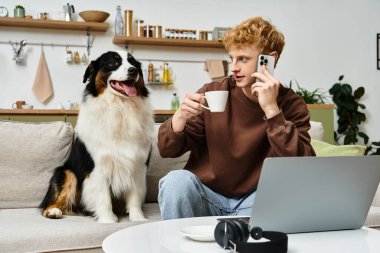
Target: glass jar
x,y
148,31
202,35
128,16
157,31
172,34
209,35
139,27
167,33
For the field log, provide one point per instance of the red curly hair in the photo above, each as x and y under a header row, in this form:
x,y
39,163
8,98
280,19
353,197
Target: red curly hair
x,y
255,31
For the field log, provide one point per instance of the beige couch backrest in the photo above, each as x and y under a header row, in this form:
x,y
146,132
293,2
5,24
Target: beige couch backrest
x,y
159,167
376,199
29,153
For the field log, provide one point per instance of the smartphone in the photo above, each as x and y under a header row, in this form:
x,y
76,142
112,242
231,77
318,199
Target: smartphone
x,y
267,60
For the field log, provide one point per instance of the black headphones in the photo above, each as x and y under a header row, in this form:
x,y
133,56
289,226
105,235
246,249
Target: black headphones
x,y
233,234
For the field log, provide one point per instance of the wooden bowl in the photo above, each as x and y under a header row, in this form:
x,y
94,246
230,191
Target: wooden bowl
x,y
94,16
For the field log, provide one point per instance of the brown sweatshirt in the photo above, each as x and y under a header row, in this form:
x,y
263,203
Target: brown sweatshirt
x,y
228,148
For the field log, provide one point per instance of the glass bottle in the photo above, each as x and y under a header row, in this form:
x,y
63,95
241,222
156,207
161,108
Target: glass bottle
x,y
150,73
174,102
76,57
166,74
119,23
69,55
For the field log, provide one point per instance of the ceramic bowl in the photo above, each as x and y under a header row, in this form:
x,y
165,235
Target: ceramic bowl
x,y
94,16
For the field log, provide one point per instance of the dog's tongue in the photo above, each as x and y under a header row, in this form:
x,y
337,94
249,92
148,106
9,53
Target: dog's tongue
x,y
130,91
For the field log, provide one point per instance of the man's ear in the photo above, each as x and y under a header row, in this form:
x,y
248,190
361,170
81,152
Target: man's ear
x,y
90,70
276,56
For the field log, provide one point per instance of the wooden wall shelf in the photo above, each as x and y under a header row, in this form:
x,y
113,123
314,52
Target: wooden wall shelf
x,y
54,24
166,42
71,116
63,112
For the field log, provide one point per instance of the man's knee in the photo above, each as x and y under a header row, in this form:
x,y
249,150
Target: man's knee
x,y
177,182
180,195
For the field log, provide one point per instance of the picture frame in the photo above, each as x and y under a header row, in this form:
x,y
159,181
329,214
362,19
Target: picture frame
x,y
378,50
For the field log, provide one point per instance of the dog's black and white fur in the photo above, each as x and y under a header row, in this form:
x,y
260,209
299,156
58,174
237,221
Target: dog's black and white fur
x,y
107,165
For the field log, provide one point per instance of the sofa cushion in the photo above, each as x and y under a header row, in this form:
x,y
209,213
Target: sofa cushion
x,y
26,230
326,149
159,167
29,153
317,131
376,199
373,217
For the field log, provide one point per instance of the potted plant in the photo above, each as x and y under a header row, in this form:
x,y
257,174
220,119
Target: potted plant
x,y
310,97
348,111
349,116
19,11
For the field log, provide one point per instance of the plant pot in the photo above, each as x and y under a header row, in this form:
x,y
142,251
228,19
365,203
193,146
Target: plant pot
x,y
19,13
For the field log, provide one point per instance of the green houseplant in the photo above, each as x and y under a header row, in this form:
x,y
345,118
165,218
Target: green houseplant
x,y
350,117
348,111
310,97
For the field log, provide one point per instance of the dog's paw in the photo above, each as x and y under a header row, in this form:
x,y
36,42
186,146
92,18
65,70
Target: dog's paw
x,y
52,213
136,216
108,219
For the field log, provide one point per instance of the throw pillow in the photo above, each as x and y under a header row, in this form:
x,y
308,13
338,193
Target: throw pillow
x,y
317,131
29,153
322,148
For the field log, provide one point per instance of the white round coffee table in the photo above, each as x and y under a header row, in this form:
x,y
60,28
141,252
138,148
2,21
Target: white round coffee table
x,y
160,236
166,237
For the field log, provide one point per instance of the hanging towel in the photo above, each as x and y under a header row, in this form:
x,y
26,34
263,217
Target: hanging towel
x,y
215,68
42,86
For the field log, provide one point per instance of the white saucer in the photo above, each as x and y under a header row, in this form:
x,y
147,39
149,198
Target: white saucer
x,y
199,233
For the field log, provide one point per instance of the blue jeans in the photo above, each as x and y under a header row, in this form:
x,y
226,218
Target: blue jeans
x,y
182,195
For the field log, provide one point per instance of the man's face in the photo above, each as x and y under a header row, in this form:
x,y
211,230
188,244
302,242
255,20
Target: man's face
x,y
243,64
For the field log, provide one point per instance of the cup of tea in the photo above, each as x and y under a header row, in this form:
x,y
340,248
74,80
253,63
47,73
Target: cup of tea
x,y
18,104
216,100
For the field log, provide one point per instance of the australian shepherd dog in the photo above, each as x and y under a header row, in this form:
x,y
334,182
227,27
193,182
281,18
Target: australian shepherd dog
x,y
106,170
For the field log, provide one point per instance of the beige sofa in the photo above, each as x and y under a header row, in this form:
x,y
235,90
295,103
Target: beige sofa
x,y
28,154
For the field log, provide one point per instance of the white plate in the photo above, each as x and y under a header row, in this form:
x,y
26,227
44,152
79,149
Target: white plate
x,y
199,233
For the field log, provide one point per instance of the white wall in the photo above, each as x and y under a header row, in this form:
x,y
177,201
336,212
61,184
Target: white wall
x,y
324,39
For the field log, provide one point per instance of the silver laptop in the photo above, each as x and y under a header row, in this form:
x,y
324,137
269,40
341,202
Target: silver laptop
x,y
310,194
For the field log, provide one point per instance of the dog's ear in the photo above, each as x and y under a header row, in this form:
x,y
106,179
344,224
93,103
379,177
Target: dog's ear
x,y
91,69
133,61
144,91
130,56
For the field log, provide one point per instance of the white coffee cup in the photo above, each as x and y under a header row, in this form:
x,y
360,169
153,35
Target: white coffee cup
x,y
216,100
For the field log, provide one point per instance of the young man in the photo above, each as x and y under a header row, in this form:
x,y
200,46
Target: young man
x,y
262,119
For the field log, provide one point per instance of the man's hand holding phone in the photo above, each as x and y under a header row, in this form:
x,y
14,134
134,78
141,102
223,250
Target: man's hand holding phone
x,y
266,86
